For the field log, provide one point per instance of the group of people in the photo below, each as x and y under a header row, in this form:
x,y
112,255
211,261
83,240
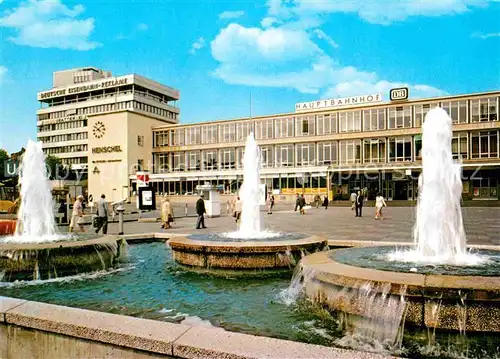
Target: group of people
x,y
100,221
357,202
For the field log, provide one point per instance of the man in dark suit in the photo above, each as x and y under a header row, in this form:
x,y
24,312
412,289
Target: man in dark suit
x,y
200,210
359,204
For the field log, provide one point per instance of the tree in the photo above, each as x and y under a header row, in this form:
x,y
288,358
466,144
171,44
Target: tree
x,y
4,156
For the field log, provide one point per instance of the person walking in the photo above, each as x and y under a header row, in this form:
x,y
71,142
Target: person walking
x,y
379,204
237,209
271,204
167,214
200,211
77,215
102,215
297,202
359,204
302,204
325,202
353,198
317,200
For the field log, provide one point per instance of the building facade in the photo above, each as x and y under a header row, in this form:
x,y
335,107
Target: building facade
x,y
101,124
334,147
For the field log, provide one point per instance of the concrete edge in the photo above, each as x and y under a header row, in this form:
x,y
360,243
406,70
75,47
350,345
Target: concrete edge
x,y
336,243
158,337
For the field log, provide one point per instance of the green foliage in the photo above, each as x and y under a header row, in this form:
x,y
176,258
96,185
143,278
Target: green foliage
x,y
54,166
4,156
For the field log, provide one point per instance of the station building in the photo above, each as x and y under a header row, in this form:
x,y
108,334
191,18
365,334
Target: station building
x,y
333,147
101,125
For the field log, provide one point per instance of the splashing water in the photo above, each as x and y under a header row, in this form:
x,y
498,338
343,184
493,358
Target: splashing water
x,y
35,221
439,231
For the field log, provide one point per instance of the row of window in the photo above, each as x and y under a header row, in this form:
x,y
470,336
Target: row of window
x,y
65,137
66,149
461,111
74,161
484,144
62,126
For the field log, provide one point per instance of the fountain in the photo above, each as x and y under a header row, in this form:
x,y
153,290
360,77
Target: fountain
x,y
36,250
438,283
248,248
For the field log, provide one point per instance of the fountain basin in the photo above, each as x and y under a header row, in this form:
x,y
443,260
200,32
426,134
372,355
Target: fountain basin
x,y
34,261
443,301
215,251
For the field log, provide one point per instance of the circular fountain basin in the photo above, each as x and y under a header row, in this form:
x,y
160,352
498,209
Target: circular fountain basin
x,y
219,251
444,297
67,256
7,226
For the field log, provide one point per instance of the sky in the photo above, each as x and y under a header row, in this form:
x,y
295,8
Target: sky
x,y
221,54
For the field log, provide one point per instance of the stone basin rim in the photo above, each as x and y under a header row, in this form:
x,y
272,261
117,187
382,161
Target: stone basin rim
x,y
327,270
100,240
186,242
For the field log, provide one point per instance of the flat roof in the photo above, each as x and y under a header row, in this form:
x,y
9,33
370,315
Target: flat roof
x,y
337,109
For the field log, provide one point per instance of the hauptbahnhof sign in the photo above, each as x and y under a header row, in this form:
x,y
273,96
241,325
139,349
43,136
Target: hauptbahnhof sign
x,y
338,102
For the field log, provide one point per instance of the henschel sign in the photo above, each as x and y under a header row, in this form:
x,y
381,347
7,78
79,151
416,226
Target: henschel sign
x,y
338,102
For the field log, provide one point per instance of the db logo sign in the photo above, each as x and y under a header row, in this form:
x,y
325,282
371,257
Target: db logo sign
x,y
399,94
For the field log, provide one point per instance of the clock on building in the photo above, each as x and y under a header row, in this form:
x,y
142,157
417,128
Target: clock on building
x,y
99,129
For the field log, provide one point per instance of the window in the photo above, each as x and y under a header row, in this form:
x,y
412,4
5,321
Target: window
x,y
228,158
374,150
457,110
161,162
327,153
209,159
350,151
161,139
264,129
193,135
399,117
400,149
243,129
140,140
421,111
178,161
285,156
484,144
178,137
374,120
327,124
283,127
306,154
350,121
484,109
140,165
266,156
209,134
459,145
305,125
194,158
227,132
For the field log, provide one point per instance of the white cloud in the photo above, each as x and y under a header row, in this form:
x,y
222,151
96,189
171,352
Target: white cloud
x,y
50,24
322,36
486,36
269,21
289,58
3,72
197,45
377,12
228,15
142,27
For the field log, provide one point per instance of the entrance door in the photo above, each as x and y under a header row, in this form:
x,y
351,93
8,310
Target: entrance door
x,y
401,190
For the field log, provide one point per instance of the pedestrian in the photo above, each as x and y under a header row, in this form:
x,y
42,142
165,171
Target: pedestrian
x,y
167,214
297,202
271,204
200,211
354,196
237,210
359,204
302,204
77,215
325,202
379,204
317,200
102,215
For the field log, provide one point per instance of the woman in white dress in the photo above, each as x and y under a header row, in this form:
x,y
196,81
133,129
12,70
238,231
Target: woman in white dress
x,y
379,204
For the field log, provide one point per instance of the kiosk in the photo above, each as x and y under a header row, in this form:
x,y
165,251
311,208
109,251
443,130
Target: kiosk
x,y
211,198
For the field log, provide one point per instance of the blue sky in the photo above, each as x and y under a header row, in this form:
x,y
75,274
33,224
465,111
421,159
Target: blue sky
x,y
218,52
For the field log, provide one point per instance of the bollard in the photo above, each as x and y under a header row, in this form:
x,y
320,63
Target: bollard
x,y
120,211
186,210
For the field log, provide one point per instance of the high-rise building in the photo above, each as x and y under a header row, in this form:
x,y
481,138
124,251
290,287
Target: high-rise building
x,y
101,124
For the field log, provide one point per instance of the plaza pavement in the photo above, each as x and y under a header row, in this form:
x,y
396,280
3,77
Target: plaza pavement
x,y
337,223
